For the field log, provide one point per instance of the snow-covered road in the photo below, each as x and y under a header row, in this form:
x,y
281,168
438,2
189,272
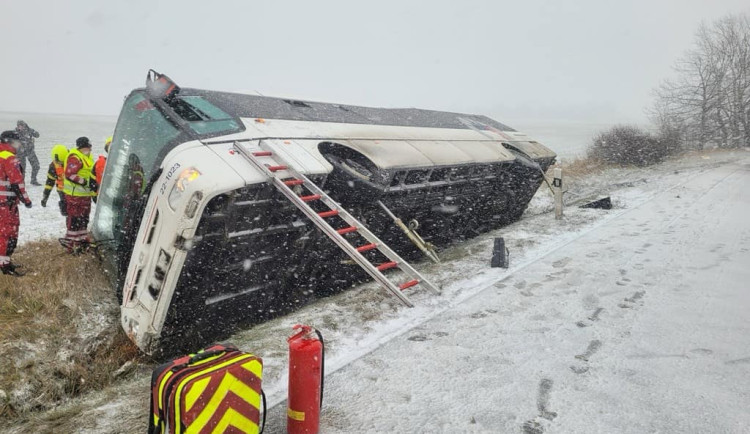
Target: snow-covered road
x,y
638,325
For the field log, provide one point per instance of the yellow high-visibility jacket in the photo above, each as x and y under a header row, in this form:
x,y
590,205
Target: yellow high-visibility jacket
x,y
73,189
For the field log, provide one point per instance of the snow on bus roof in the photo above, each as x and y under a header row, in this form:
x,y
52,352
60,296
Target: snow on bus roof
x,y
254,106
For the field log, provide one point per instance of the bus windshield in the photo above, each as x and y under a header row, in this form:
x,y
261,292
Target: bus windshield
x,y
140,137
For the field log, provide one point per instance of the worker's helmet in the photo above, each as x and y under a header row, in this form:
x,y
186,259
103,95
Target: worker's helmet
x,y
59,153
107,144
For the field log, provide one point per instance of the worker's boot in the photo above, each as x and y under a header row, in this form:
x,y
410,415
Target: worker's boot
x,y
12,270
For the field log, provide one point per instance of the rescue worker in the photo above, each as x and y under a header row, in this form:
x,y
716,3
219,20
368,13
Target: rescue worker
x,y
56,176
101,162
28,135
78,187
12,191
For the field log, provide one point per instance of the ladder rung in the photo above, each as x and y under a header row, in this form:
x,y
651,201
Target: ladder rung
x,y
283,176
386,265
408,284
367,247
347,230
330,213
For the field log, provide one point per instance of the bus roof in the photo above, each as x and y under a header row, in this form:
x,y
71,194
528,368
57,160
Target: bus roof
x,y
255,106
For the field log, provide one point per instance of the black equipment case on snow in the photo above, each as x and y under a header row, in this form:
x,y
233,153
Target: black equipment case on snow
x,y
215,390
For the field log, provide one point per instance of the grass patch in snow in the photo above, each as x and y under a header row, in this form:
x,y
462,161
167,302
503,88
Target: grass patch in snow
x,y
59,330
580,167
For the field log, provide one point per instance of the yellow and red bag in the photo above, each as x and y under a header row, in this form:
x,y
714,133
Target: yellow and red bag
x,y
215,390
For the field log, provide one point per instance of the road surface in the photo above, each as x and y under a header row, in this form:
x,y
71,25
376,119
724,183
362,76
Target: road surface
x,y
637,325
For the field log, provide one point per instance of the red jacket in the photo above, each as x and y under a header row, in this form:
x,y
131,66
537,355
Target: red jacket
x,y
72,168
11,177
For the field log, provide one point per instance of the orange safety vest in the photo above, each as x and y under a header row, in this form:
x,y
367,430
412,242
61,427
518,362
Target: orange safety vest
x,y
60,172
99,168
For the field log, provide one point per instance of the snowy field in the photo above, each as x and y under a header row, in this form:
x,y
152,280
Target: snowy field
x,y
629,320
43,223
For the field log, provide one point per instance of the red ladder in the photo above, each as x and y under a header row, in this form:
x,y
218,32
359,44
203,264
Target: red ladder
x,y
284,178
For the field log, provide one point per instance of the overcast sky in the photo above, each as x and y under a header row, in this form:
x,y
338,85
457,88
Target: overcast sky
x,y
579,60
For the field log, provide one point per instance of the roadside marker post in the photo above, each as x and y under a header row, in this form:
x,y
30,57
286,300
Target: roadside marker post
x,y
557,189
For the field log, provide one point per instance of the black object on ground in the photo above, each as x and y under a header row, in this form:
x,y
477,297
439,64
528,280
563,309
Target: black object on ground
x,y
603,203
500,254
12,270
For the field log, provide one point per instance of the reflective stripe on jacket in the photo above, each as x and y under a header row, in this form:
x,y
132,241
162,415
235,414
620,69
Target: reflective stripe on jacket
x,y
72,188
5,191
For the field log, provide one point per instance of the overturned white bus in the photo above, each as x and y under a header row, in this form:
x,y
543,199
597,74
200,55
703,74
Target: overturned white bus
x,y
198,240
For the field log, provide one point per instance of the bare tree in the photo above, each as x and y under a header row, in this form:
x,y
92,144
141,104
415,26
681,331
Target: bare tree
x,y
708,102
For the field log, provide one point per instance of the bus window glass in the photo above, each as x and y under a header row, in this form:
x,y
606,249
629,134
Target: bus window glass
x,y
142,132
